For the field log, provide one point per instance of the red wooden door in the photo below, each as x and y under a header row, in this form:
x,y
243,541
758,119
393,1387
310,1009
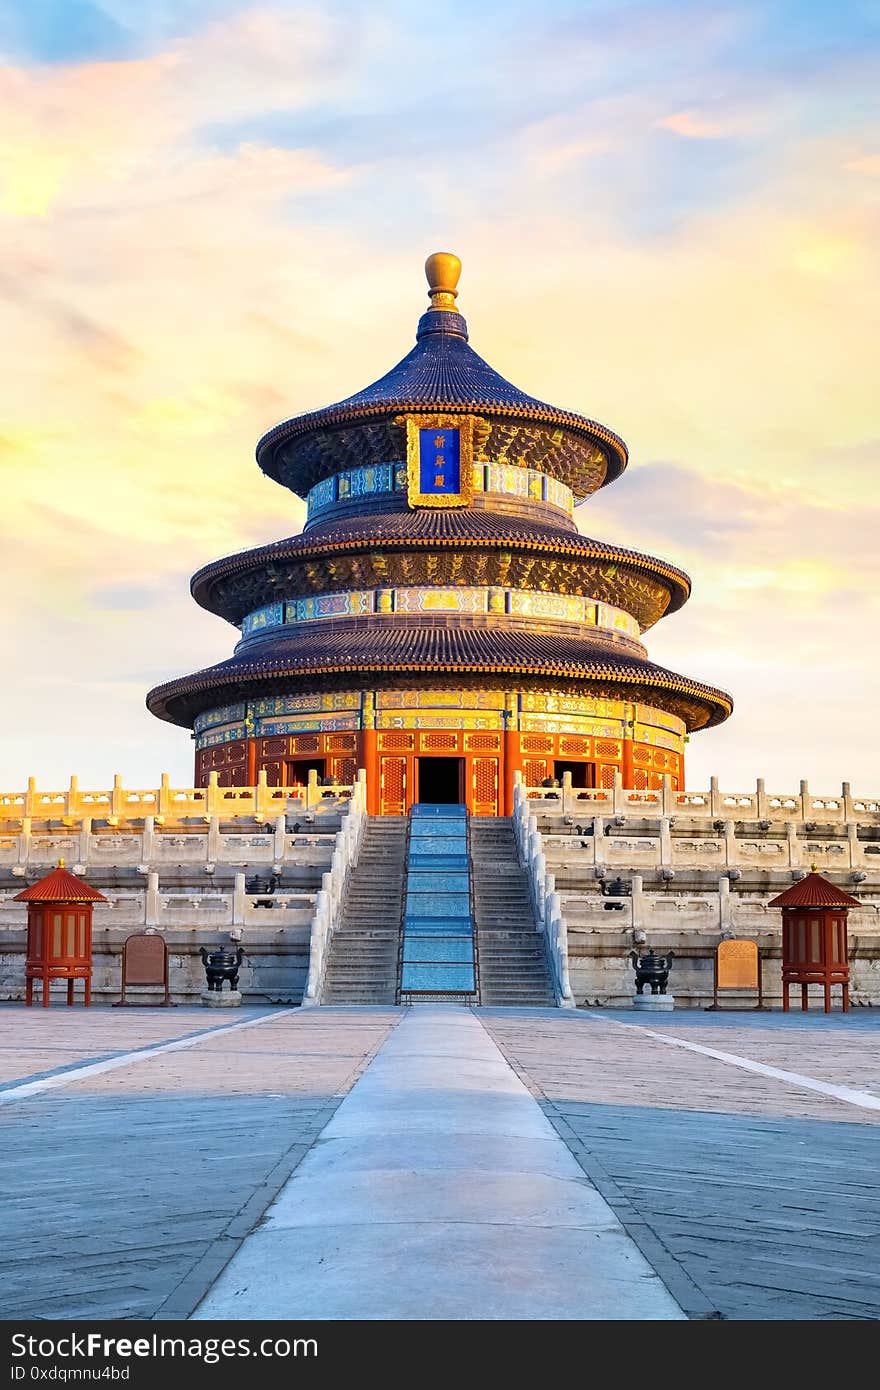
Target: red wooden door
x,y
392,786
484,787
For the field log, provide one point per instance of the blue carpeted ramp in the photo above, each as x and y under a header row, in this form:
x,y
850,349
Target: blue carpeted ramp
x,y
438,924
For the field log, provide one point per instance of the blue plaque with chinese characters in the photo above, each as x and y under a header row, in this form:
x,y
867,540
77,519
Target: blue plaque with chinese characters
x,y
439,461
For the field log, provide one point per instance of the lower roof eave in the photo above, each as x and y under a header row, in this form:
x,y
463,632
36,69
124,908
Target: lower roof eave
x,y
181,701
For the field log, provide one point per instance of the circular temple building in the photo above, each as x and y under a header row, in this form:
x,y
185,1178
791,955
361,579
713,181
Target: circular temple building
x,y
441,622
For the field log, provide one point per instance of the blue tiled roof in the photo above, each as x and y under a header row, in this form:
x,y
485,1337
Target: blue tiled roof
x,y
442,372
351,647
442,369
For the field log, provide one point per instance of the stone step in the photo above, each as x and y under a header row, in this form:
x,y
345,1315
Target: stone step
x,y
363,955
362,968
503,923
506,966
379,934
512,961
495,949
363,979
360,996
504,1001
514,980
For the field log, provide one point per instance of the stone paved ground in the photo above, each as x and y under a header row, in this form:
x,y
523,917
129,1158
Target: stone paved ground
x,y
126,1192
759,1194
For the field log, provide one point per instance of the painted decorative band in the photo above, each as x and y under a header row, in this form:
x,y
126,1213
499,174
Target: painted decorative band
x,y
519,603
502,478
532,713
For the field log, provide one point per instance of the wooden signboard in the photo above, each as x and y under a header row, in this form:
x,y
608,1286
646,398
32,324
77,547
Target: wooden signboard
x,y
737,966
145,962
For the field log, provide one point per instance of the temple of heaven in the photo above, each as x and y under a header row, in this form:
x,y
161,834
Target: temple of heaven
x,y
440,621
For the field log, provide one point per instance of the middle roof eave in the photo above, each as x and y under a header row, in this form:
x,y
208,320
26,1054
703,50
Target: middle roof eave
x,y
427,529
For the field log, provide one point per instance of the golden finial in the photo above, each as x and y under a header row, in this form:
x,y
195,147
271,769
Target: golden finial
x,y
61,862
814,867
443,270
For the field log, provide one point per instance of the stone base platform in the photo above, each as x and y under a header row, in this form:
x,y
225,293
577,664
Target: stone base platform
x,y
654,1003
221,999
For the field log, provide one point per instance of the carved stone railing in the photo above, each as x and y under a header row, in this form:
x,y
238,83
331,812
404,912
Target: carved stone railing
x,y
544,896
804,806
328,905
118,804
156,842
604,847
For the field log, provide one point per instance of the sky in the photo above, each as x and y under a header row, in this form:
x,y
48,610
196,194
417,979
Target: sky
x,y
214,215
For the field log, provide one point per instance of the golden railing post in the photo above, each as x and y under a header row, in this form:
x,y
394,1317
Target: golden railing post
x,y
213,798
262,799
165,803
313,796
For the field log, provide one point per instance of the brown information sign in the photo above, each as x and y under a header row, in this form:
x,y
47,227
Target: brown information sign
x,y
737,965
145,962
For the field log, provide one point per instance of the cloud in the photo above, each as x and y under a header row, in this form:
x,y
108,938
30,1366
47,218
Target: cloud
x,y
215,223
692,125
102,129
866,164
785,589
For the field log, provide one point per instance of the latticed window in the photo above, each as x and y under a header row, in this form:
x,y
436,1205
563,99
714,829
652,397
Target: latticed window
x,y
396,741
537,743
580,747
437,743
485,781
483,743
306,743
534,771
393,786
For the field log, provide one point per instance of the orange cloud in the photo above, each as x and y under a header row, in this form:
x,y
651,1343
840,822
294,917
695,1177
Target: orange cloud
x,y
167,300
866,164
693,126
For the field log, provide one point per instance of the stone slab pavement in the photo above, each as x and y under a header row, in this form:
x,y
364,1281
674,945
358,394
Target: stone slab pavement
x,y
439,1190
126,1190
486,1164
753,1196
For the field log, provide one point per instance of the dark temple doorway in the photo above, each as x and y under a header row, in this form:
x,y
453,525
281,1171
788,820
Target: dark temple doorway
x,y
440,781
582,774
297,771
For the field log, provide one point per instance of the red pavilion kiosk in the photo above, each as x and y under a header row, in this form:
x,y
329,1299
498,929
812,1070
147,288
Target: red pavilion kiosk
x,y
59,944
814,942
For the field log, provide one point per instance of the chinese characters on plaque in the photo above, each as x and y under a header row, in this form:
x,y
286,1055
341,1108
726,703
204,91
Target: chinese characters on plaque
x,y
439,461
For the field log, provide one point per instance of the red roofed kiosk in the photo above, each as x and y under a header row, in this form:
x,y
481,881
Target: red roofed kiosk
x,y
814,944
59,944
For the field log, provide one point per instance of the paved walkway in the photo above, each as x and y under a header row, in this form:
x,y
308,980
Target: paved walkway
x,y
129,1177
438,1162
439,1190
752,1190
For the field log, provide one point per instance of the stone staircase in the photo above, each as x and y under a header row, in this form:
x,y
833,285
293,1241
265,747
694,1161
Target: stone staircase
x,y
364,951
512,959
